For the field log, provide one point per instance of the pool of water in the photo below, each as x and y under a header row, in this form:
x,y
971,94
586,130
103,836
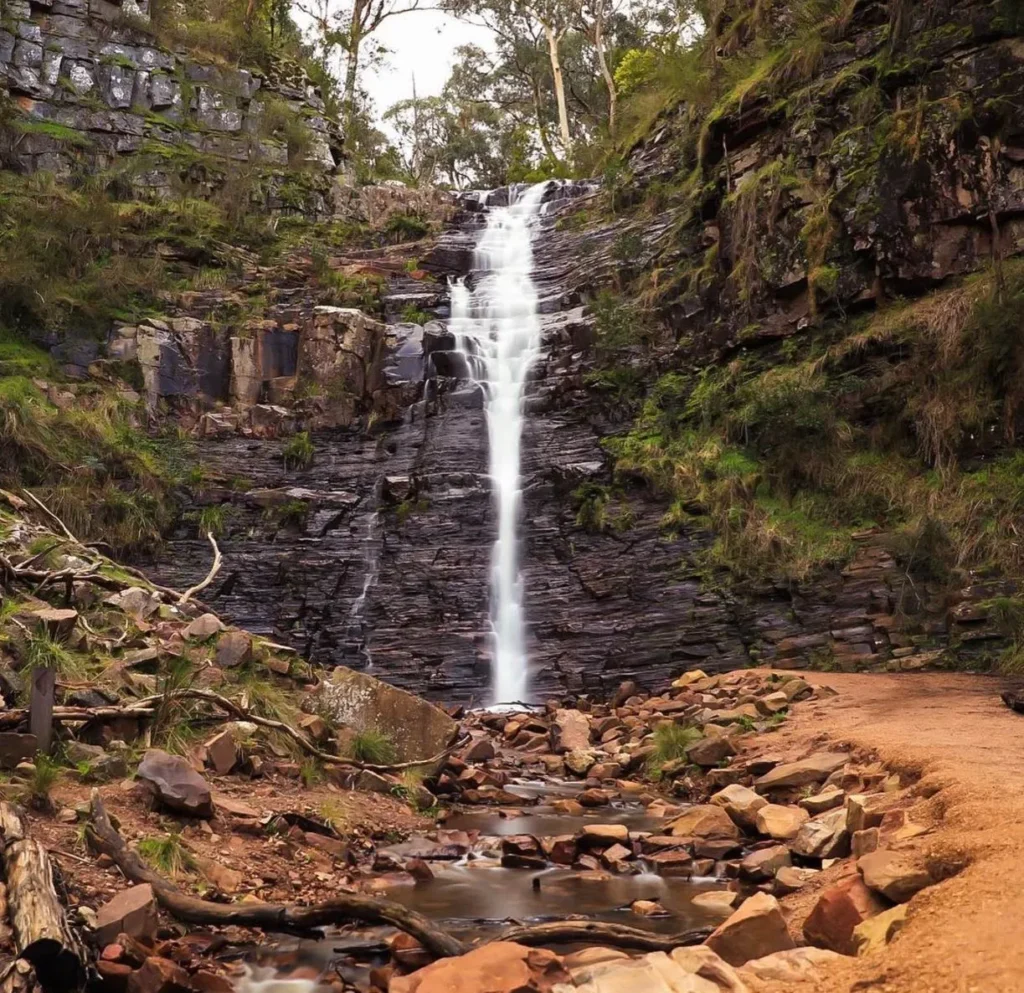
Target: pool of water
x,y
481,896
544,822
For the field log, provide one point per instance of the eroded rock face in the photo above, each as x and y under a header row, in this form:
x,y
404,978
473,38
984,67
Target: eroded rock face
x,y
78,70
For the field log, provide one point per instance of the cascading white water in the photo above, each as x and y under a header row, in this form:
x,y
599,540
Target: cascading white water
x,y
497,328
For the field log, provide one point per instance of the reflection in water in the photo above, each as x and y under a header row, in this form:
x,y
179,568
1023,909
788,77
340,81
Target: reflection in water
x,y
543,822
482,891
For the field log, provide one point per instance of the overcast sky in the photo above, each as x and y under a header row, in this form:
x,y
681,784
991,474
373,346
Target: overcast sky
x,y
423,44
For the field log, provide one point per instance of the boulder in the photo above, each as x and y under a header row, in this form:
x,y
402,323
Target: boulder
x,y
807,772
797,965
779,822
16,748
570,731
791,878
203,627
710,751
761,865
176,784
866,810
595,798
222,751
686,970
56,621
580,761
718,902
755,930
417,729
234,648
896,875
823,837
479,750
600,835
840,909
876,932
498,967
773,703
740,803
704,821
828,799
132,912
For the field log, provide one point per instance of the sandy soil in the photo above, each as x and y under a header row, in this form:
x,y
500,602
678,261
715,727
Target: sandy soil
x,y
966,934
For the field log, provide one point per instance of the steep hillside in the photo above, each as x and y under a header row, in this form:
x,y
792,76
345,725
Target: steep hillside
x,y
807,305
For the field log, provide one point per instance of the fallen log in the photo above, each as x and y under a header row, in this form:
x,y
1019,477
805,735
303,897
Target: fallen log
x,y
42,935
304,922
599,933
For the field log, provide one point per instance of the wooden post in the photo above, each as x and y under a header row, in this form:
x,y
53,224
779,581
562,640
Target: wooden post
x,y
40,717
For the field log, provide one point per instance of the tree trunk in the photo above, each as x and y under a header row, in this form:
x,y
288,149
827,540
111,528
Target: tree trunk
x,y
41,932
355,41
542,130
602,61
556,73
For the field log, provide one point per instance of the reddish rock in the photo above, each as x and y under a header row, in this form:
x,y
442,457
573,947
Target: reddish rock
x,y
839,909
115,975
159,975
206,981
419,870
498,967
756,929
594,798
671,863
704,821
814,769
132,911
480,750
176,784
761,865
896,875
709,752
560,849
570,731
222,752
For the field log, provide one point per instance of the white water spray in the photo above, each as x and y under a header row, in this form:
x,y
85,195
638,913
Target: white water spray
x,y
497,328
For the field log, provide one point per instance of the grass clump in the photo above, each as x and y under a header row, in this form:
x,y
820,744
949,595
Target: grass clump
x,y
37,789
167,855
670,744
43,651
299,452
373,746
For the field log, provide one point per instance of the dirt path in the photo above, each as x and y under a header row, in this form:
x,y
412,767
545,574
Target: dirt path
x,y
965,935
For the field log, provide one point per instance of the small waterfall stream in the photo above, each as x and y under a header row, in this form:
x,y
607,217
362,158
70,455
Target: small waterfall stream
x,y
497,328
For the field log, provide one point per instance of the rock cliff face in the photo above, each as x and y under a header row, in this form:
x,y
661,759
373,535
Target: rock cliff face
x,y
94,85
378,552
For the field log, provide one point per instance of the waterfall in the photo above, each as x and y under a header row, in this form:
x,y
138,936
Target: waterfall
x,y
497,328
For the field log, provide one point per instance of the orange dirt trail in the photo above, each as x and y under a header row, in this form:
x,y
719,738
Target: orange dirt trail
x,y
966,934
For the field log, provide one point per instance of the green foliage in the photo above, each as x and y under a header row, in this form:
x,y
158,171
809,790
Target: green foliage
x,y
45,775
373,746
599,508
670,744
167,855
42,651
405,227
298,452
412,314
